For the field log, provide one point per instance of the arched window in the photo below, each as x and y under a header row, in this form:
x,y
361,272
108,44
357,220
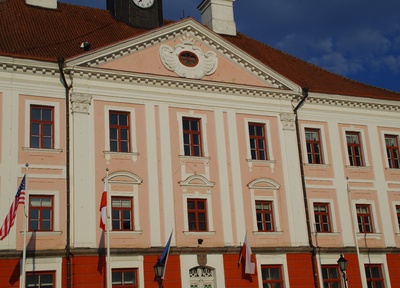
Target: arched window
x,y
202,277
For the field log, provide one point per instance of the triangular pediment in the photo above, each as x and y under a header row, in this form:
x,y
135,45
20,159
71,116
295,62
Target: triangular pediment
x,y
159,54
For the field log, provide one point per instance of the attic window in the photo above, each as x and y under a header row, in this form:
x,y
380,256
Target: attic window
x,y
189,59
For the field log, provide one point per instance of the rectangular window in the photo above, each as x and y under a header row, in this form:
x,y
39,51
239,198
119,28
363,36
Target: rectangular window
x,y
40,279
331,276
122,216
119,131
364,218
197,214
392,150
41,213
265,216
374,276
398,215
313,143
258,142
192,136
42,127
124,278
354,149
272,276
322,217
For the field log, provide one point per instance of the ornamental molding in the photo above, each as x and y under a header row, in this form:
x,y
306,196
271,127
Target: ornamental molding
x,y
287,120
207,62
80,102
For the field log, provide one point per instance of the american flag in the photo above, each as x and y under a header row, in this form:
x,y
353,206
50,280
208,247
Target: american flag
x,y
10,218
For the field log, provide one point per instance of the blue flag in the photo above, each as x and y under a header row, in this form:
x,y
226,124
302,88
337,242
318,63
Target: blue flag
x,y
164,255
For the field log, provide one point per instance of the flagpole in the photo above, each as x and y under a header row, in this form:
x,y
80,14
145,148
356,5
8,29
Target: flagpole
x,y
108,235
23,276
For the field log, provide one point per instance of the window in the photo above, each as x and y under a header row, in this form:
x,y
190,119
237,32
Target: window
x,y
322,217
374,276
354,149
40,213
364,218
42,279
192,136
392,150
122,213
125,278
188,58
272,276
197,214
258,143
201,277
331,276
313,144
398,215
42,127
119,131
265,216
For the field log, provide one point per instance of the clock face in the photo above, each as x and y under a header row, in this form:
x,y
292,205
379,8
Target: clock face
x,y
144,3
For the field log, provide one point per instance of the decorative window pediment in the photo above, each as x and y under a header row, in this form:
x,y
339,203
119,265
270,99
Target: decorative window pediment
x,y
124,177
263,183
197,181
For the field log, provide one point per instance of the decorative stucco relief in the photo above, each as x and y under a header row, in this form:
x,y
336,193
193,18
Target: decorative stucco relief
x,y
287,120
80,102
207,62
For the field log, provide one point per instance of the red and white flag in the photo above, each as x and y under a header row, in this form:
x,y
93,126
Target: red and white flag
x,y
103,208
10,218
246,254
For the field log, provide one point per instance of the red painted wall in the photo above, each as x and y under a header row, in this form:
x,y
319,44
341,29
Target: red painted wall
x,y
234,274
87,271
300,270
172,277
353,271
9,273
393,261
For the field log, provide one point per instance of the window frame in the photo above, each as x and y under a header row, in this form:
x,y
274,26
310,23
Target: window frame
x,y
374,280
269,212
40,273
41,124
256,151
121,209
119,127
331,281
393,162
40,219
196,212
122,270
271,282
327,213
361,216
191,134
397,211
355,150
312,155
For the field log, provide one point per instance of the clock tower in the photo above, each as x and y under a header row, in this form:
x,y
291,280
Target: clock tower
x,y
137,13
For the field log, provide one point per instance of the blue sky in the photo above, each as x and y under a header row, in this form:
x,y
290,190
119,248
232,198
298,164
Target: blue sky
x,y
358,39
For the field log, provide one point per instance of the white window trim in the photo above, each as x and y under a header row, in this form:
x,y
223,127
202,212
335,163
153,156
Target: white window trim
x,y
363,146
373,212
321,129
268,138
272,259
275,208
203,121
332,215
375,259
56,117
210,223
132,127
56,205
383,143
126,262
38,264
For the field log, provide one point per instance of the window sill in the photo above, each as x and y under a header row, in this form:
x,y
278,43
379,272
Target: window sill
x,y
318,165
42,233
392,169
193,233
265,233
126,154
359,167
326,234
265,162
369,235
41,150
201,158
135,232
